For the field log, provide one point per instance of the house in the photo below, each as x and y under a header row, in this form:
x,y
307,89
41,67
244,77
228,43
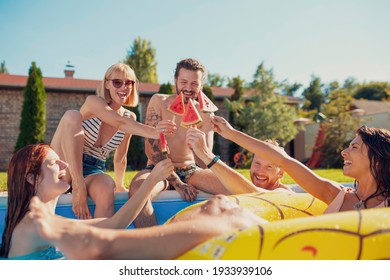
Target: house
x,y
372,113
69,93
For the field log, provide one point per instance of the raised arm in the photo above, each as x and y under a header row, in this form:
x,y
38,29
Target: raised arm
x,y
323,189
96,106
130,210
78,241
233,181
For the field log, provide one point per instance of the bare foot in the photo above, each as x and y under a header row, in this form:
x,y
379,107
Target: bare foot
x,y
72,237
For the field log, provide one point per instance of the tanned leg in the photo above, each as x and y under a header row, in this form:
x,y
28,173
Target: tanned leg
x,y
68,143
101,188
146,217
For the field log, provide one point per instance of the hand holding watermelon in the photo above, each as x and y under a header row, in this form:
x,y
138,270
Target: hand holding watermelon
x,y
221,126
166,127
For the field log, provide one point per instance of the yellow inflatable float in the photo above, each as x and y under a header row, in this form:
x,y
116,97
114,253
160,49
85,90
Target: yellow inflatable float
x,y
295,232
274,206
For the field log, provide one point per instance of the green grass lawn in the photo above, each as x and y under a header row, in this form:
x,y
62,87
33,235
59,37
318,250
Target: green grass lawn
x,y
333,174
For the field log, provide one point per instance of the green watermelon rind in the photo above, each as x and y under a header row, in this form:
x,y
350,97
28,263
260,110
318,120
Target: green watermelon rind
x,y
190,112
188,124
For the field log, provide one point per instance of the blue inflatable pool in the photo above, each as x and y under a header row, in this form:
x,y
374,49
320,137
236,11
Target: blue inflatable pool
x,y
166,204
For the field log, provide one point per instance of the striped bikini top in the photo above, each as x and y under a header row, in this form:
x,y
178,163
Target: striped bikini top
x,y
91,129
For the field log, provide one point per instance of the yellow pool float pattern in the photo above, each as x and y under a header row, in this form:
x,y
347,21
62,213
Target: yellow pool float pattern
x,y
296,233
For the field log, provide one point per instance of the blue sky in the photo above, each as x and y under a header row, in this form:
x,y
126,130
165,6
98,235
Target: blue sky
x,y
333,39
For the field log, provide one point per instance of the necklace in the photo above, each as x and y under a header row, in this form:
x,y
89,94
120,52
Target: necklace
x,y
360,203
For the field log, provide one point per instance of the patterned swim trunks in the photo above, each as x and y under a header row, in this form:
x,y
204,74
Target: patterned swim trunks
x,y
184,173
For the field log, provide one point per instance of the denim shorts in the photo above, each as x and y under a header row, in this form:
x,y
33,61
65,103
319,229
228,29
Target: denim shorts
x,y
92,165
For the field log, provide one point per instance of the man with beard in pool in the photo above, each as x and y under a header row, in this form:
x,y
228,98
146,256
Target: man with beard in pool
x,y
266,174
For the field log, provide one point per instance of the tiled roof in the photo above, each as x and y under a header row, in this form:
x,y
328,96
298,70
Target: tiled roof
x,y
91,85
371,107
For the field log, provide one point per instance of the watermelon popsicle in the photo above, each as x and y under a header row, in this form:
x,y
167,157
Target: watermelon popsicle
x,y
177,108
205,104
191,116
164,144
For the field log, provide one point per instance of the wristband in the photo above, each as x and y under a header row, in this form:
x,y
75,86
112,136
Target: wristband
x,y
215,159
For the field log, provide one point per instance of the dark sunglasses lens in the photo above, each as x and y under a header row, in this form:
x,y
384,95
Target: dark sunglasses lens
x,y
128,83
117,83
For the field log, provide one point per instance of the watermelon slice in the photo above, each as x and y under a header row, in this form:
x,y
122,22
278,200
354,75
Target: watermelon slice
x,y
191,116
164,144
177,107
206,105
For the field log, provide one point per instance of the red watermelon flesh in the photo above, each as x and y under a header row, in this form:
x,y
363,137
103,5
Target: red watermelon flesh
x,y
206,105
163,143
191,116
177,107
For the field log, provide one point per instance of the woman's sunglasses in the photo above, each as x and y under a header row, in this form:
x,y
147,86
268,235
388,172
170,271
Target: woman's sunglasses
x,y
118,83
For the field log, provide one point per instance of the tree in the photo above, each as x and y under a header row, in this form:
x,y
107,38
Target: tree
x,y
166,88
331,87
208,91
215,80
314,95
141,58
238,85
339,126
33,116
3,69
265,114
136,157
373,91
290,89
350,85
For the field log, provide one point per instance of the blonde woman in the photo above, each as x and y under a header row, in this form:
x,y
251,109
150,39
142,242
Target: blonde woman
x,y
85,138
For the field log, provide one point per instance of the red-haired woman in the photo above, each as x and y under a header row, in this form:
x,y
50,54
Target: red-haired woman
x,y
36,171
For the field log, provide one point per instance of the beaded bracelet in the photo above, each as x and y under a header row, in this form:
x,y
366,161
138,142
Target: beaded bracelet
x,y
215,159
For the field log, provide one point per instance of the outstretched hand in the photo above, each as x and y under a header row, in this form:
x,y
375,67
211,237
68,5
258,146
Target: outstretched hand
x,y
187,191
221,126
162,170
166,126
196,140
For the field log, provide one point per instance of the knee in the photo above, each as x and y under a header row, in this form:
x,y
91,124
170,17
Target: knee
x,y
71,118
136,183
134,186
105,192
